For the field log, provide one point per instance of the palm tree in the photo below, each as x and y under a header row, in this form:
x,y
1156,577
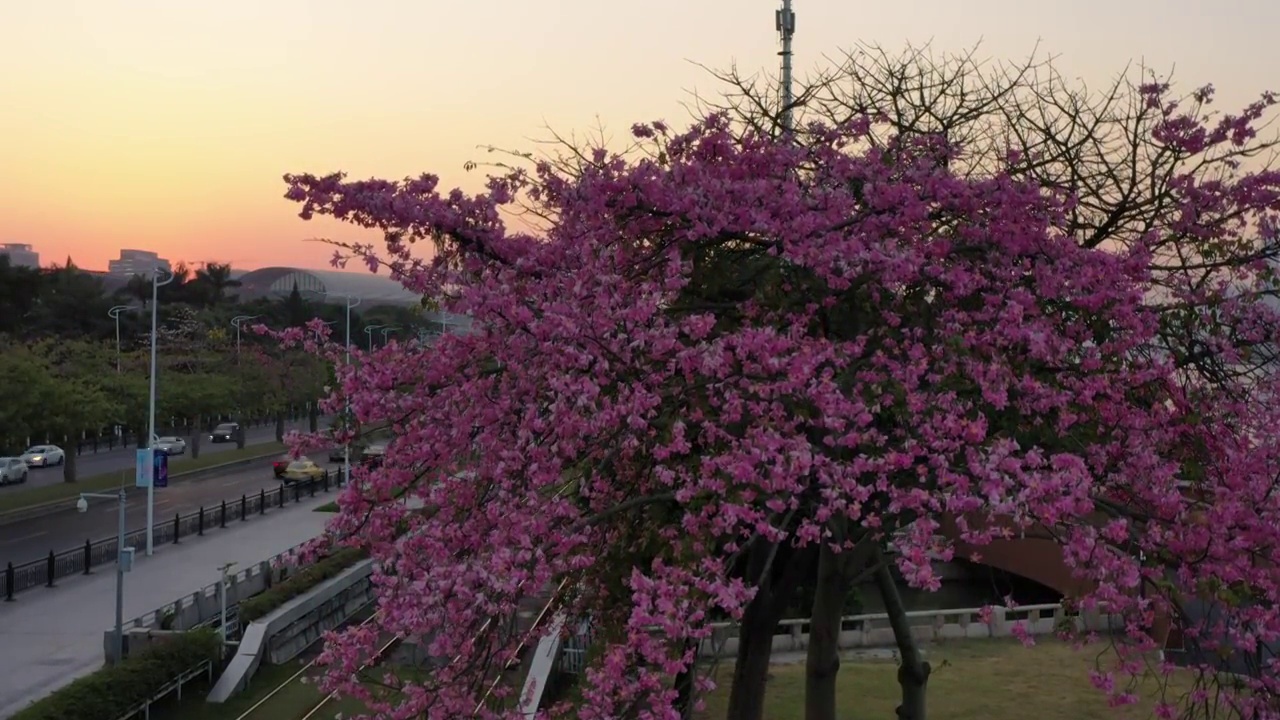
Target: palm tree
x,y
213,281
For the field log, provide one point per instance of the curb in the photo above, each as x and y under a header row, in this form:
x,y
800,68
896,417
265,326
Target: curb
x,y
55,506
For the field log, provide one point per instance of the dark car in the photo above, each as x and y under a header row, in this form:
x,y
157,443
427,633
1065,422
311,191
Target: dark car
x,y
225,432
338,453
280,464
372,455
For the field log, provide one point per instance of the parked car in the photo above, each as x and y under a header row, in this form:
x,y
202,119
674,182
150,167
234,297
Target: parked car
x,y
302,469
372,455
224,432
12,470
171,445
44,456
338,453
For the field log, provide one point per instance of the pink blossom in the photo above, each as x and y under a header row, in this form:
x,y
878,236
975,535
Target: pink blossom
x,y
923,348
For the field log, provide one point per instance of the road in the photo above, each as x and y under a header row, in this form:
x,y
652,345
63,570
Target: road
x,y
32,539
90,463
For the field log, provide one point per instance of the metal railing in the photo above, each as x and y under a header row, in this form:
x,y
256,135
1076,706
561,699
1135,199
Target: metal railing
x,y
144,708
81,561
155,618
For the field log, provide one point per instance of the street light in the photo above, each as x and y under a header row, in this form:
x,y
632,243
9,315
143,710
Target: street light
x,y
235,323
346,414
386,331
114,314
82,505
151,407
368,330
222,601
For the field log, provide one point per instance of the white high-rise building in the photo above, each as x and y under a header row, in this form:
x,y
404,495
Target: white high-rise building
x,y
20,255
136,262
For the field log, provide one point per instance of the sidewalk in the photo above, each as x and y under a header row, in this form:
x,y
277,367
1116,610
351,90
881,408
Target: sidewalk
x,y
49,638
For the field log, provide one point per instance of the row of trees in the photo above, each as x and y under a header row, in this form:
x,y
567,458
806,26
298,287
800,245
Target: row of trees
x,y
958,303
68,391
65,302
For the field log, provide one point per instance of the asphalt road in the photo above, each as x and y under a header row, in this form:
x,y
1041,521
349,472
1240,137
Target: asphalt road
x,y
90,463
29,540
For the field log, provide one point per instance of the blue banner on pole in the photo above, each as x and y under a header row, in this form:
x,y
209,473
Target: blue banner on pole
x,y
161,465
144,469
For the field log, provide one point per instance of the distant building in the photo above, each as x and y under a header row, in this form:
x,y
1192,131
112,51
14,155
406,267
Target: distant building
x,y
136,262
20,255
326,286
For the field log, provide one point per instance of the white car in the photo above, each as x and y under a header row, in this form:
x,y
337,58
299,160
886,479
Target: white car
x,y
44,456
171,445
12,470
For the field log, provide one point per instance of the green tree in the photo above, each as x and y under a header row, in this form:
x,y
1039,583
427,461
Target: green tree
x,y
74,399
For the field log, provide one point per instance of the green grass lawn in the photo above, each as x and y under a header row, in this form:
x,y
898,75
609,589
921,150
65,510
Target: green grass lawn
x,y
27,497
972,680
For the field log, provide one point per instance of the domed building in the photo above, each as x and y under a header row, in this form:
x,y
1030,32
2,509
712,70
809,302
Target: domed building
x,y
327,286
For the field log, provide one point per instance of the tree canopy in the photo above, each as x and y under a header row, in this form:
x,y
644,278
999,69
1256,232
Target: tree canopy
x,y
729,345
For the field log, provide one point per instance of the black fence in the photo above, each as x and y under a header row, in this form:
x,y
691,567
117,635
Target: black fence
x,y
82,561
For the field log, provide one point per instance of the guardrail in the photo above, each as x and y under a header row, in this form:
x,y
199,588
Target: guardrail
x,y
81,561
144,708
155,618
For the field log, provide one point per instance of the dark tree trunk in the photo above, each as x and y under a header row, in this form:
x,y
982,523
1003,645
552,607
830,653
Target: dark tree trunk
x,y
280,427
313,418
69,465
196,434
755,647
913,673
823,661
837,572
684,685
777,584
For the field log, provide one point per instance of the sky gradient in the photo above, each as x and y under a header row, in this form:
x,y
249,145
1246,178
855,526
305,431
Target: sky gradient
x,y
166,125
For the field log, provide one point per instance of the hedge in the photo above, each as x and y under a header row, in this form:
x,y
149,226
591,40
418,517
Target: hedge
x,y
112,691
298,583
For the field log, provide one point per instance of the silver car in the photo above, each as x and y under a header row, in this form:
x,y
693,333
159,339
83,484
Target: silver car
x,y
12,470
171,445
44,456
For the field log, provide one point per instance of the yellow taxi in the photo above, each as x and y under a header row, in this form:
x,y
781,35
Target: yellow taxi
x,y
302,469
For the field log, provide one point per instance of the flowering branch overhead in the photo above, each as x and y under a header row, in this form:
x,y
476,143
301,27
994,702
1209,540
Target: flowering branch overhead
x,y
731,338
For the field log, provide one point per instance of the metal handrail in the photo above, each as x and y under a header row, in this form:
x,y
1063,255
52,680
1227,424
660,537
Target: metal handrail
x,y
16,578
175,684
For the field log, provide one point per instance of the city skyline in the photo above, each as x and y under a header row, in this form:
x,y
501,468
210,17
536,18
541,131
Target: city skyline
x,y
168,126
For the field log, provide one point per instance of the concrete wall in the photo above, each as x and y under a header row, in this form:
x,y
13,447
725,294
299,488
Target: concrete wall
x,y
288,630
304,620
868,631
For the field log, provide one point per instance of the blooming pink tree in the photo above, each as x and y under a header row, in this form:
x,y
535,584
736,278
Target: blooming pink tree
x,y
729,350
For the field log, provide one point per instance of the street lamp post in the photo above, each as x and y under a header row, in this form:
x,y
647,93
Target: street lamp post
x,y
151,406
222,601
117,647
386,331
346,415
235,323
368,331
114,314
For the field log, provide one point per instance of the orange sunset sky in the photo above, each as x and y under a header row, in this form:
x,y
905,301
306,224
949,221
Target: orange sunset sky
x,y
166,125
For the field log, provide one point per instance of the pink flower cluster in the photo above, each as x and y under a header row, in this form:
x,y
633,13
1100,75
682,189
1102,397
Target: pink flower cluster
x,y
728,333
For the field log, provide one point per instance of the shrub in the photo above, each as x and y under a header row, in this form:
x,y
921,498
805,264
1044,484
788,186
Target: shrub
x,y
301,581
112,691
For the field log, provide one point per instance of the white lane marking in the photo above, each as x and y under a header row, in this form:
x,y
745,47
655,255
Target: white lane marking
x,y
24,538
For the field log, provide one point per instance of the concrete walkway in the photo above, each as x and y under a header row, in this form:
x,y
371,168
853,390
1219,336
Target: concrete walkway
x,y
50,637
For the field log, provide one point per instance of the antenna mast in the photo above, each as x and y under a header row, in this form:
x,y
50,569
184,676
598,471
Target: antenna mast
x,y
785,21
